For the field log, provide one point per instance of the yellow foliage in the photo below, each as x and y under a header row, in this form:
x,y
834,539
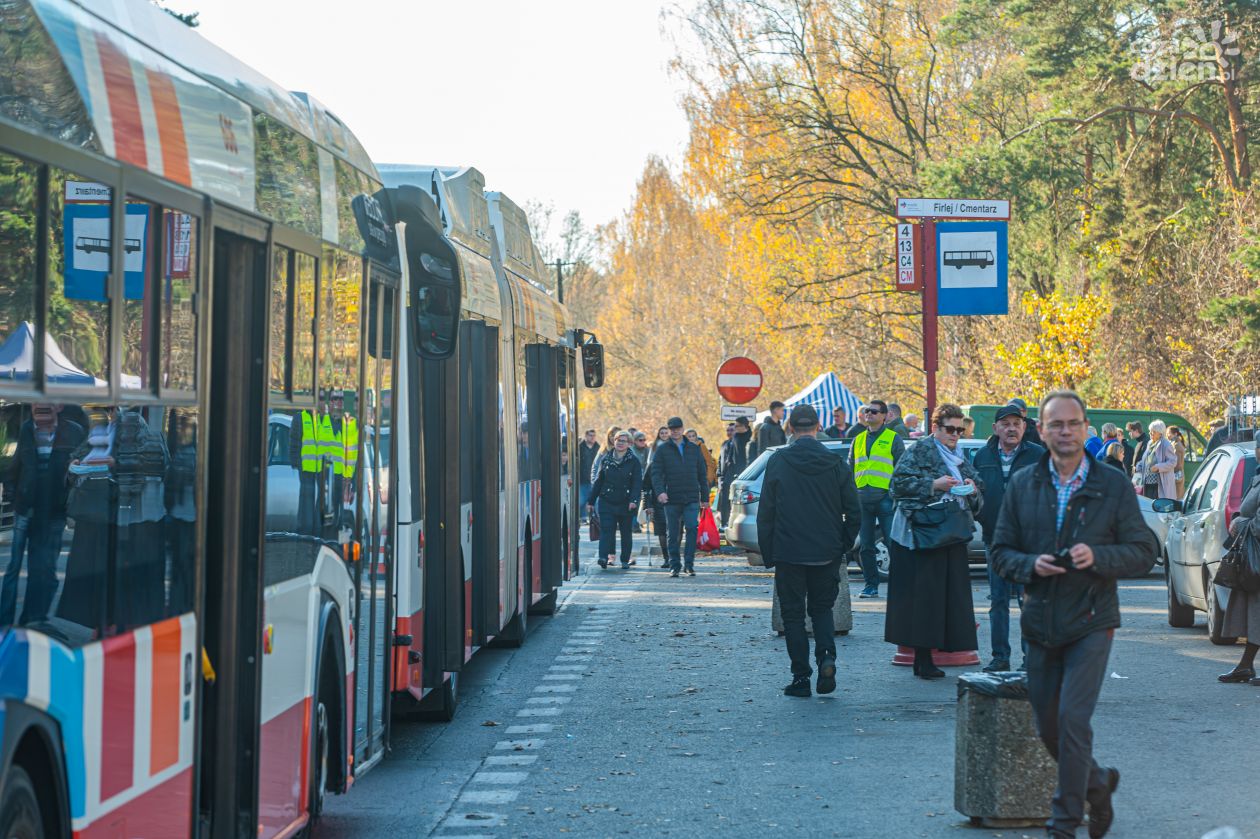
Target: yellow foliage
x,y
1061,353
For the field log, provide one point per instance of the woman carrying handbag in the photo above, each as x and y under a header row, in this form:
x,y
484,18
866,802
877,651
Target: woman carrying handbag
x,y
937,493
1242,612
618,481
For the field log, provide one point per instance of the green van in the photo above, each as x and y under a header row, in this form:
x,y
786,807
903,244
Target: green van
x,y
1098,417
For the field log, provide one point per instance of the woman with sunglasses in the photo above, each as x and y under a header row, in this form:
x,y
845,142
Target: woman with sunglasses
x,y
618,480
929,589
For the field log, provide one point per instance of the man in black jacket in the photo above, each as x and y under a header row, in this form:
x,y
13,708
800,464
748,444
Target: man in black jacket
x,y
1006,453
680,480
1068,529
807,522
731,462
587,450
769,432
1030,427
839,428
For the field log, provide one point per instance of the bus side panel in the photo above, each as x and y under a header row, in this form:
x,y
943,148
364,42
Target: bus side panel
x,y
482,440
544,433
443,567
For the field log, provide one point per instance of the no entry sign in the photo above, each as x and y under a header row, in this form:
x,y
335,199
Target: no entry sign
x,y
739,380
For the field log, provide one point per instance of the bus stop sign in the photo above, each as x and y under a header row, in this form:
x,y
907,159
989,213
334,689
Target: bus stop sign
x,y
739,380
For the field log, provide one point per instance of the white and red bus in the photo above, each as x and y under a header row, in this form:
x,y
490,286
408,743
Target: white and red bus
x,y
514,504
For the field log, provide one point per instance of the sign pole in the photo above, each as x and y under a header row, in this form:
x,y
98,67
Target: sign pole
x,y
928,231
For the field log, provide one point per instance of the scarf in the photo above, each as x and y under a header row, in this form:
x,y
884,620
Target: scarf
x,y
953,460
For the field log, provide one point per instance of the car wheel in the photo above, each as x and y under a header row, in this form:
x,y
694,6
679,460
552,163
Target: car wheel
x,y
1216,618
882,560
1179,614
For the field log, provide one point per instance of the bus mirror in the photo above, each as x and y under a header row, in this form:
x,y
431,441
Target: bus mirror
x,y
593,364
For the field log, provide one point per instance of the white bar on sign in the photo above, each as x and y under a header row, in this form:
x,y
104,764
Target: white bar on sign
x,y
739,380
953,208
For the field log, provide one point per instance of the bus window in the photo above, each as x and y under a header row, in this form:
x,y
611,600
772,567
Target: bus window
x,y
179,287
304,329
281,353
79,257
19,185
140,293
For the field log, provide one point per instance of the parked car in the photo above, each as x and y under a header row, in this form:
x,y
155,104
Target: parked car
x,y
1197,528
1158,523
741,530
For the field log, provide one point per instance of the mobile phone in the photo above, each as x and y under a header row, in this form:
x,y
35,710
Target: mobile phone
x,y
1063,559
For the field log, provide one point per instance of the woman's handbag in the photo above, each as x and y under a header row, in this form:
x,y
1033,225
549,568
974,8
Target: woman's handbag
x,y
594,526
941,524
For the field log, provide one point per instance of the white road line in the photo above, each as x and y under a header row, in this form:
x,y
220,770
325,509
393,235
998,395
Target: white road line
x,y
484,777
563,667
538,712
510,760
536,728
549,700
488,796
567,657
559,677
555,688
518,745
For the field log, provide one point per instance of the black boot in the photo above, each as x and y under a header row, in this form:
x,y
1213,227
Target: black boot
x,y
799,687
924,667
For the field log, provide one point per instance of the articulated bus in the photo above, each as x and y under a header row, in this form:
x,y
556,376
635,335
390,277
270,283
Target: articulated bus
x,y
230,413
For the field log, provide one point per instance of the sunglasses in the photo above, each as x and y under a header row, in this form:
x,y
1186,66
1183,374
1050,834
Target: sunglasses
x,y
952,429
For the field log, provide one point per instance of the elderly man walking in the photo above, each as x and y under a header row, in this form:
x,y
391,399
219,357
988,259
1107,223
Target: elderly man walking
x,y
1068,529
806,524
680,481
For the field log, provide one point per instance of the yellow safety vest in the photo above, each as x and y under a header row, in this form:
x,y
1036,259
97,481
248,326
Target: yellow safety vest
x,y
876,468
329,444
311,452
348,449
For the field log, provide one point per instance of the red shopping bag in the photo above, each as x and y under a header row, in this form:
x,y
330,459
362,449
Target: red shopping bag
x,y
707,537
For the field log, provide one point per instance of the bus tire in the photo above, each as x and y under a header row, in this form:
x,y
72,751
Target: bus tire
x,y
20,813
440,705
324,731
546,606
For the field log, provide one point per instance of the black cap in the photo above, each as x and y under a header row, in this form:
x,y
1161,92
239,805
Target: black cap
x,y
1019,403
675,422
1007,411
803,416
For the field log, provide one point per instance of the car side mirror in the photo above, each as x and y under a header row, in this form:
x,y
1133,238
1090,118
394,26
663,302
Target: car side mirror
x,y
1166,505
593,364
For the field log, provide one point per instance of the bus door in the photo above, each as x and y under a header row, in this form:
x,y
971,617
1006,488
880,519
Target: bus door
x,y
374,618
479,344
443,566
544,433
233,577
569,458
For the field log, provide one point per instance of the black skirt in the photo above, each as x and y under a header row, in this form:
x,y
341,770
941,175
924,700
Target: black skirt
x,y
929,599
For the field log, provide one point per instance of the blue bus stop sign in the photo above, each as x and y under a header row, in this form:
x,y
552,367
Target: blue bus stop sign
x,y
971,268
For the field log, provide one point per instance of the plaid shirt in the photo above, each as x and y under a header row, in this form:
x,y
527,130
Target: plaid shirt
x,y
1065,491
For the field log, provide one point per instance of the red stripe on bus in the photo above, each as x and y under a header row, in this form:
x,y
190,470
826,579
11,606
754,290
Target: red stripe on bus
x,y
165,810
170,125
282,756
165,697
118,714
124,105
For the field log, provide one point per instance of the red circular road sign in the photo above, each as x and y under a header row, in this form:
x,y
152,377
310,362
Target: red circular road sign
x,y
739,380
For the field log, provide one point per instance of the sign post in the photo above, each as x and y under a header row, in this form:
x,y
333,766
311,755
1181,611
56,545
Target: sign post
x,y
738,381
958,266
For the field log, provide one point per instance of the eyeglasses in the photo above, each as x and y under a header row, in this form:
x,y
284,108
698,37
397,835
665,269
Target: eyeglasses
x,y
1070,425
952,429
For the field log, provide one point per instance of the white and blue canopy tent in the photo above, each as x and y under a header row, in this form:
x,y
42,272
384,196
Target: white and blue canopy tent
x,y
17,360
825,393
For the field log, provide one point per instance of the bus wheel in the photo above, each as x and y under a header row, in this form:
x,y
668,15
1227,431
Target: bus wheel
x,y
319,760
19,814
546,606
440,705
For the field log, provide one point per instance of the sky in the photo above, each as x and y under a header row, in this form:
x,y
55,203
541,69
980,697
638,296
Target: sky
x,y
555,101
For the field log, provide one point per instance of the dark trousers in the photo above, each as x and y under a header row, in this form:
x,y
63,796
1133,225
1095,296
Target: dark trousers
x,y
680,518
660,527
614,520
875,511
1063,687
724,503
808,590
37,541
1001,591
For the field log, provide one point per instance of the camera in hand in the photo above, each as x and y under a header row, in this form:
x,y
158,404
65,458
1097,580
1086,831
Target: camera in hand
x,y
1063,559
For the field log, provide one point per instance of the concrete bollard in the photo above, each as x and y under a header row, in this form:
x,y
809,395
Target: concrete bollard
x,y
1003,775
842,612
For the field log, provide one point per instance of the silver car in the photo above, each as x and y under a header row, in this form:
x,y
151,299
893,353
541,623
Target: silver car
x,y
741,529
1197,528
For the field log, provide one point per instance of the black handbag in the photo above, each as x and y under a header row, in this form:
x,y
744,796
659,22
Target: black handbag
x,y
594,526
1240,566
941,524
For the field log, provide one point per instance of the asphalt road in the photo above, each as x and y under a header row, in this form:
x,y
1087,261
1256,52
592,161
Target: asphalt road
x,y
651,706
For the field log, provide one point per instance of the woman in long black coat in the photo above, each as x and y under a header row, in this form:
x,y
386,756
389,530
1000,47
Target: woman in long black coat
x,y
615,488
929,589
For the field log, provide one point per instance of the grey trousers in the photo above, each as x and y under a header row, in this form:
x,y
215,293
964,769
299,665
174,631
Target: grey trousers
x,y
1063,687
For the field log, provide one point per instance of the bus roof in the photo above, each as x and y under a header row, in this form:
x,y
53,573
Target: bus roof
x,y
127,80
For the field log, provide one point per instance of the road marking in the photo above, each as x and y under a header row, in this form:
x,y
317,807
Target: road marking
x,y
510,760
488,796
538,712
549,700
558,677
567,667
555,688
484,777
536,728
518,745
586,657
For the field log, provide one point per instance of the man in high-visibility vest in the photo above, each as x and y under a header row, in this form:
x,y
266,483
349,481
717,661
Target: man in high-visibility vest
x,y
306,455
874,454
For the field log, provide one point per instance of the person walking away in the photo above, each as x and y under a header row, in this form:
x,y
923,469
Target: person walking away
x,y
1157,465
616,488
1243,609
587,450
38,491
1113,455
1093,443
807,521
710,464
839,427
1178,440
894,420
769,432
1030,427
929,587
679,481
1139,441
1067,531
1004,454
873,457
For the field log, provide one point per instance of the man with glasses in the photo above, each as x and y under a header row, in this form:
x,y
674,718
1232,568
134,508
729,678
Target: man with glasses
x,y
875,453
1067,530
